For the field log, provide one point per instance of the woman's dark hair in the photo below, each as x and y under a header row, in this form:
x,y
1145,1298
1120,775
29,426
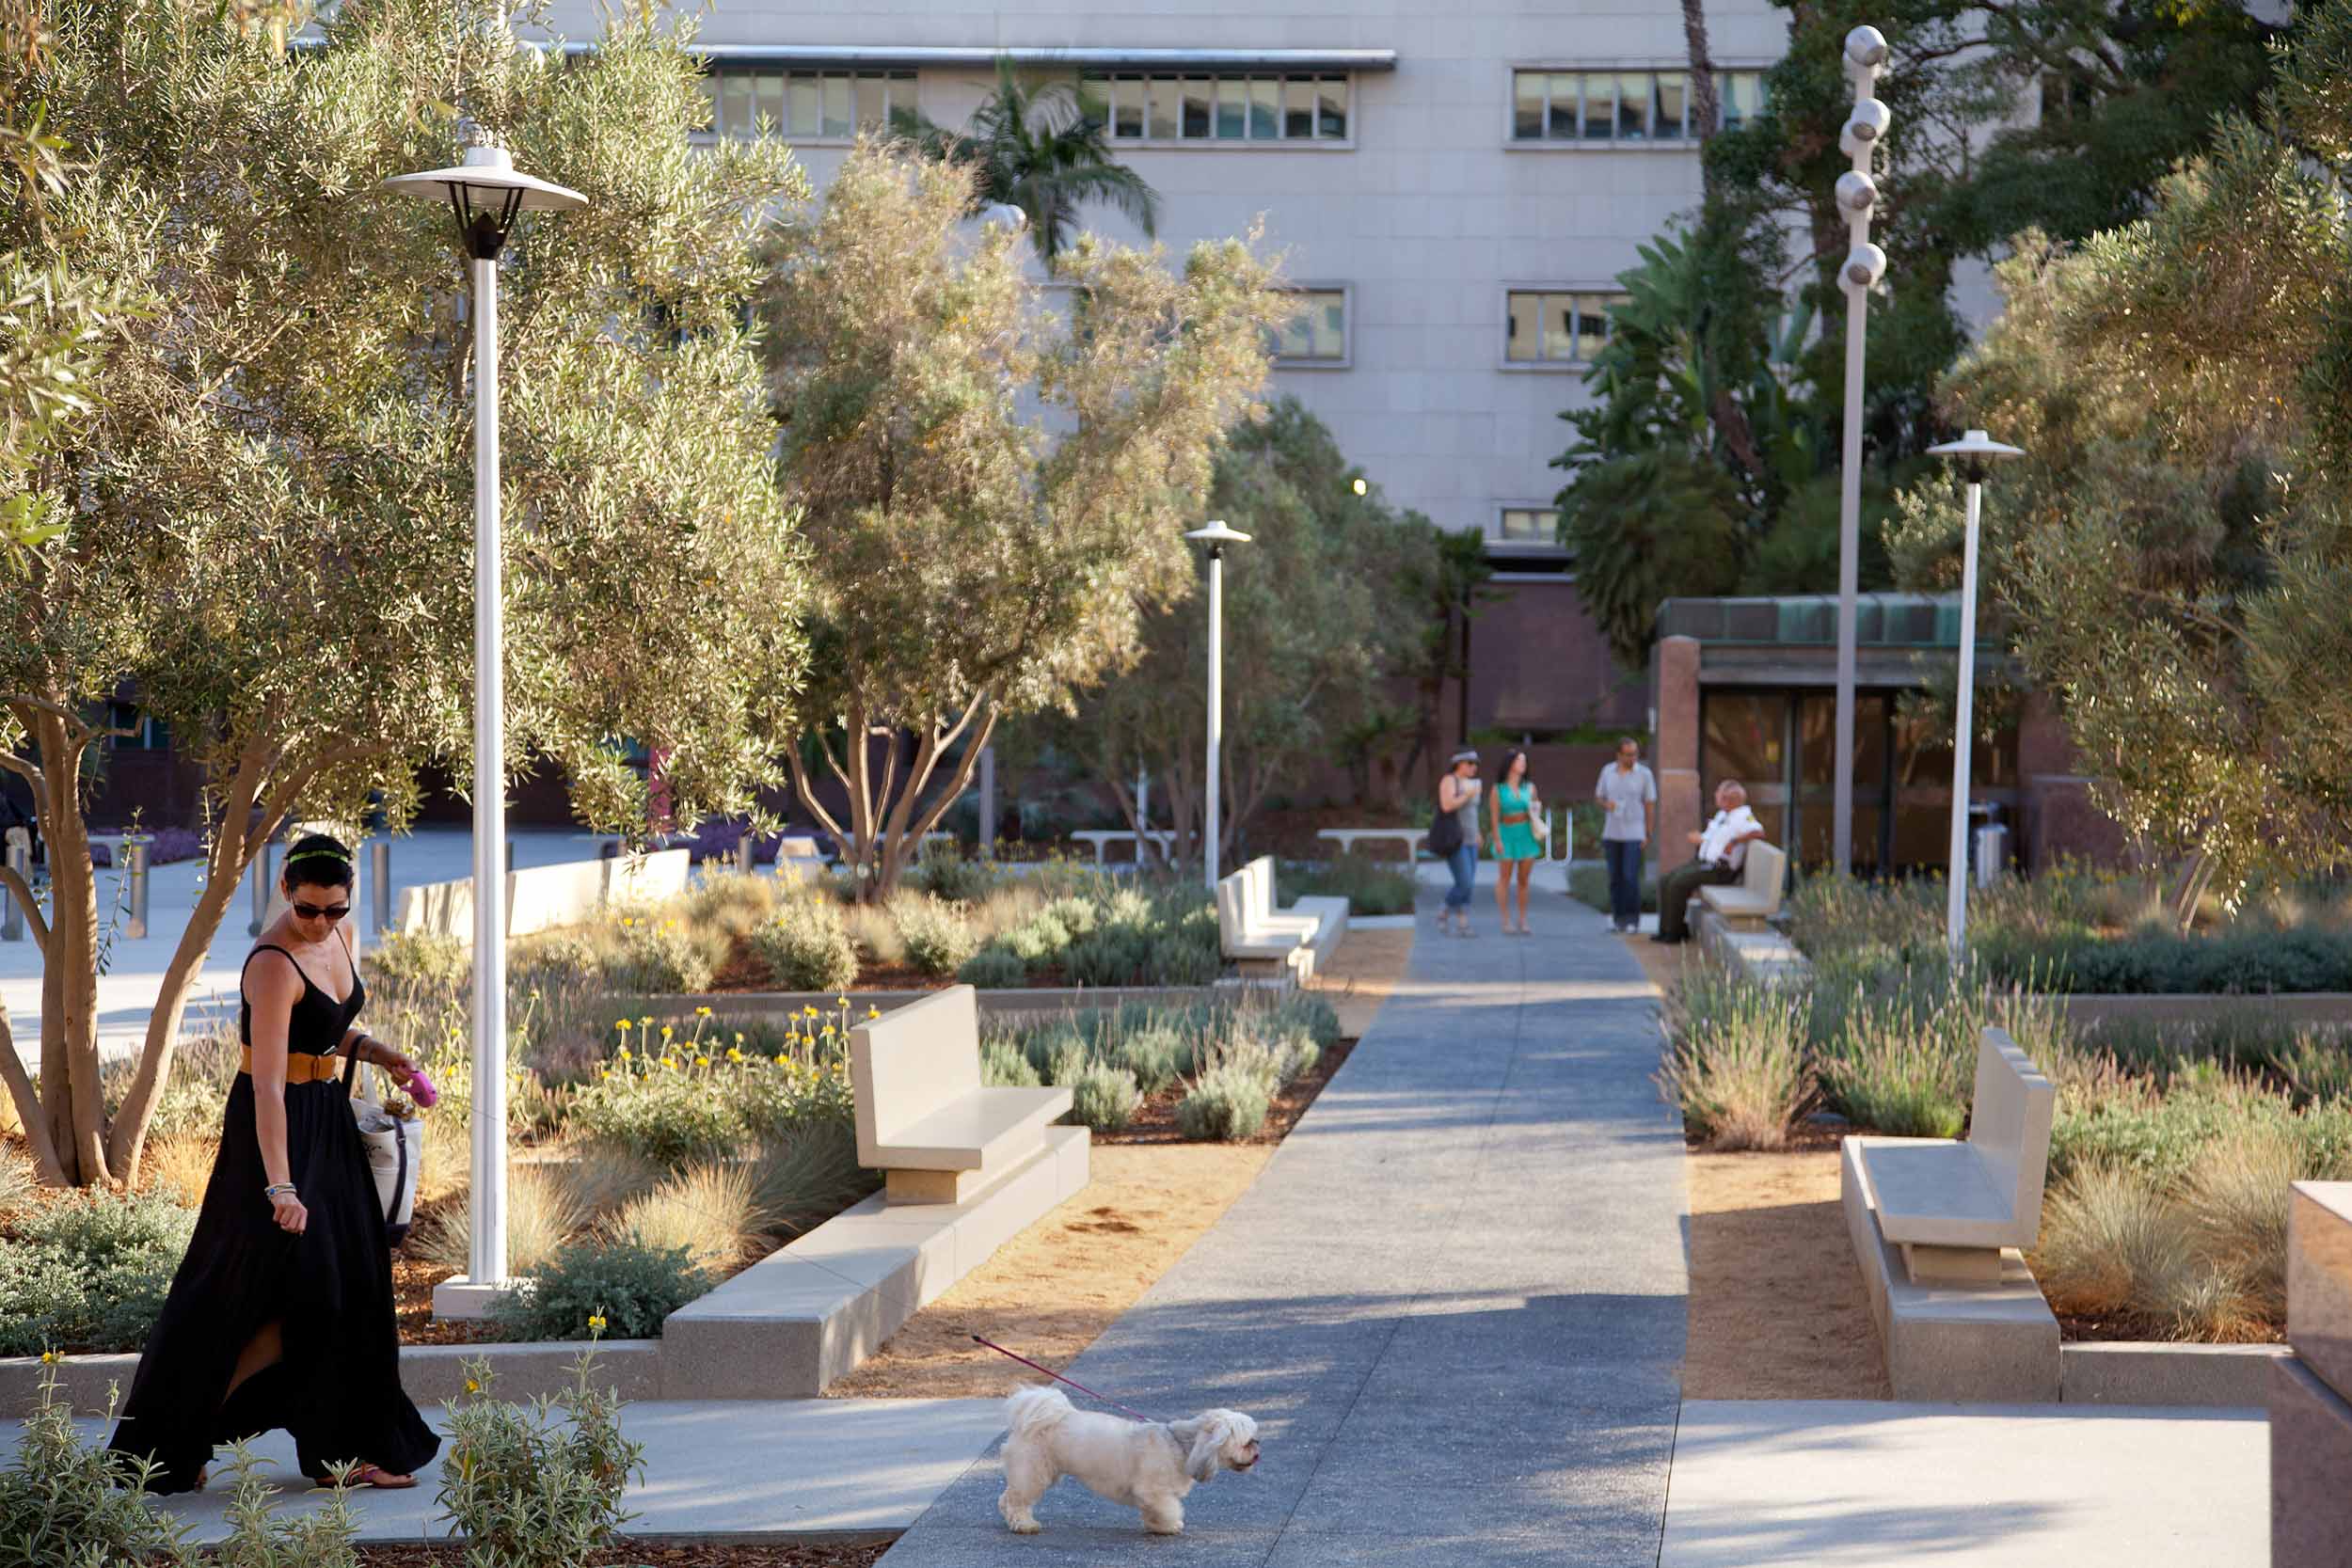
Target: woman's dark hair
x,y
1502,774
318,860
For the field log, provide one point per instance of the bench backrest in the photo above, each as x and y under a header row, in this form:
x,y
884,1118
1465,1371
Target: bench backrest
x,y
1764,872
913,1061
2009,1124
1261,875
1233,906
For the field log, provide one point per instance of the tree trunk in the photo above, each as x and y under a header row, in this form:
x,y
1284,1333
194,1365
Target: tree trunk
x,y
1704,104
72,1101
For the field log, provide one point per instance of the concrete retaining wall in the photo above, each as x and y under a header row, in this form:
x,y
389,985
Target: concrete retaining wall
x,y
2130,1373
543,896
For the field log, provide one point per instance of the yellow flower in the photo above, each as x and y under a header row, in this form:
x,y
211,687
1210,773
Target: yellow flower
x,y
670,1062
842,1000
735,1052
626,923
667,1031
781,1060
49,1358
595,1321
472,1387
622,1027
702,1012
606,1074
827,1031
873,1013
624,1053
738,1036
810,1010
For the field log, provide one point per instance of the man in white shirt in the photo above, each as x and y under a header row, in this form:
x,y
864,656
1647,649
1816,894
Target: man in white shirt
x,y
1630,791
1720,854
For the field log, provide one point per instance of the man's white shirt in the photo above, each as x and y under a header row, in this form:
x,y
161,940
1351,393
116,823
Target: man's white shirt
x,y
1718,844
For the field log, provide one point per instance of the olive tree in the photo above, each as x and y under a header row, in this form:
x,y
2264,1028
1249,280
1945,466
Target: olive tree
x,y
270,494
995,495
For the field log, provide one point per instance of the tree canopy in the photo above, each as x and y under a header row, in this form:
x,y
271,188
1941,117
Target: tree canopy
x,y
995,495
269,492
2173,555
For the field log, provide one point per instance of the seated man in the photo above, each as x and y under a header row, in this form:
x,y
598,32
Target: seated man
x,y
1721,853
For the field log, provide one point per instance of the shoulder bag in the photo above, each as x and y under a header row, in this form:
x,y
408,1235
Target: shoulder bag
x,y
1445,829
394,1146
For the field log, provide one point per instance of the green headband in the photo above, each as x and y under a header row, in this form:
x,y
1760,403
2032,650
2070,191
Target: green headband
x,y
341,855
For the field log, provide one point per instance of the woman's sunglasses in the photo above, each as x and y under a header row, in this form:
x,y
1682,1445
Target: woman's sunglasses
x,y
317,911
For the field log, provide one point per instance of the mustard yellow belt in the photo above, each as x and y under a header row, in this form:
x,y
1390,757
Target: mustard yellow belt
x,y
301,1066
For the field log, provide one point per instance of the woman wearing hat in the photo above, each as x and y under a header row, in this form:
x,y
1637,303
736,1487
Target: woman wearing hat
x,y
1458,797
281,1313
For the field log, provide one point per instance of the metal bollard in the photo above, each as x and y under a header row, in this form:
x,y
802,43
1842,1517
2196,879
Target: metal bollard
x,y
20,858
380,889
135,857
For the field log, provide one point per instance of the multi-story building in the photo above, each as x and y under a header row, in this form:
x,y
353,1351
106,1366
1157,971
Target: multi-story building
x,y
1454,190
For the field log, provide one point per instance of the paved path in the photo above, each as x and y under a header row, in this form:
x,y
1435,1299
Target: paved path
x,y
1454,1297
735,1468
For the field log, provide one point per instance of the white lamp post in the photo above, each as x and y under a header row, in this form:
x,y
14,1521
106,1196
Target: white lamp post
x,y
485,193
1975,451
1865,265
1217,536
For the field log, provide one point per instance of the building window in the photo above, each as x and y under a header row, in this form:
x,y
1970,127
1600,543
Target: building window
x,y
1557,328
1530,525
1318,334
1233,107
1623,105
805,105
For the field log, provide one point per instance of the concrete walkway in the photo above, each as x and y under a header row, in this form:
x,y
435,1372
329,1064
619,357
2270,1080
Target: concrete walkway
x,y
1454,1299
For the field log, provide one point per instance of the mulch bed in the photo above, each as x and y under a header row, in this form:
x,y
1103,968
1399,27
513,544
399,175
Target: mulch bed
x,y
640,1554
412,1303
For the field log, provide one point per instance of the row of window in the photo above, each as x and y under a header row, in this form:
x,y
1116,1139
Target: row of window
x,y
1624,106
1543,328
1546,106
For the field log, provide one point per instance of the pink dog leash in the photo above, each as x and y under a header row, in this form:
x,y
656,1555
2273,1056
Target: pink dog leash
x,y
1071,1381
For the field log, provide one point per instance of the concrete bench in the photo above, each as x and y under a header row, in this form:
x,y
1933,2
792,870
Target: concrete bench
x,y
1953,1207
1256,942
923,1117
1345,838
1322,918
1755,899
1103,838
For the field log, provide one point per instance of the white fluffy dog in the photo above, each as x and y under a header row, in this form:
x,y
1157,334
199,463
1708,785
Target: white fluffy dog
x,y
1146,1466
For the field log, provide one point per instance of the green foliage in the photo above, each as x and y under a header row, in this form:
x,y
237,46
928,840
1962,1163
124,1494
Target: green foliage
x,y
289,317
536,1486
1105,1098
67,1500
1040,145
89,1272
1004,1065
939,939
1737,1067
1371,887
630,1286
806,946
261,1537
995,497
946,874
1226,1105
994,968
660,955
1325,601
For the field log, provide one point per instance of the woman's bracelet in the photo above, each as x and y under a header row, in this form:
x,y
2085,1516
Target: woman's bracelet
x,y
276,1187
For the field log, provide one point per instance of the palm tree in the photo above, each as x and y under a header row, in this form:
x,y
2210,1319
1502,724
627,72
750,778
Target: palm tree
x,y
1039,147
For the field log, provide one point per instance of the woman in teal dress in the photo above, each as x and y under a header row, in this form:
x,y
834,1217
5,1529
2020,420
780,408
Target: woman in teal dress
x,y
1512,812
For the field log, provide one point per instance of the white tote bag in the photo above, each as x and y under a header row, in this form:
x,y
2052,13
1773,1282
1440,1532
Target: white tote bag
x,y
394,1145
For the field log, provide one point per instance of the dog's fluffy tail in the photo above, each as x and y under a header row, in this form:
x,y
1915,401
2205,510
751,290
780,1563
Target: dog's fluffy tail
x,y
1029,1411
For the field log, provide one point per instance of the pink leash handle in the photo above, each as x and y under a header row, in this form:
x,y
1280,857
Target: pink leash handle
x,y
1049,1371
420,1089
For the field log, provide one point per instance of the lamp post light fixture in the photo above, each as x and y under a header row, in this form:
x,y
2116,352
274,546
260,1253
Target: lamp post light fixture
x,y
1864,265
486,194
1217,536
1975,452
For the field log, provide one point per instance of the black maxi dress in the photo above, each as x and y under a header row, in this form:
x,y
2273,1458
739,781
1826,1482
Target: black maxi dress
x,y
337,1387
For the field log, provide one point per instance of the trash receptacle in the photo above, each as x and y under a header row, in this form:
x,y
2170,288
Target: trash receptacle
x,y
1991,854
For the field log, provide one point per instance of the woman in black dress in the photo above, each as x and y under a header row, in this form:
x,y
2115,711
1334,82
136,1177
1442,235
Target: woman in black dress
x,y
281,1313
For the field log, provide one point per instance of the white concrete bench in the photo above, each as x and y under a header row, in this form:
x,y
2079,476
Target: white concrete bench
x,y
1345,838
1325,918
1953,1207
1755,899
1254,943
1103,838
923,1117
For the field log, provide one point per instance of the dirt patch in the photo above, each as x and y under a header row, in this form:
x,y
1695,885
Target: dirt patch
x,y
639,1554
1150,1198
1777,1308
1662,962
412,1303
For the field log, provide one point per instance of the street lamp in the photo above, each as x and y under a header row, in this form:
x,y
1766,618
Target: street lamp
x,y
1864,265
485,193
1976,451
1217,536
